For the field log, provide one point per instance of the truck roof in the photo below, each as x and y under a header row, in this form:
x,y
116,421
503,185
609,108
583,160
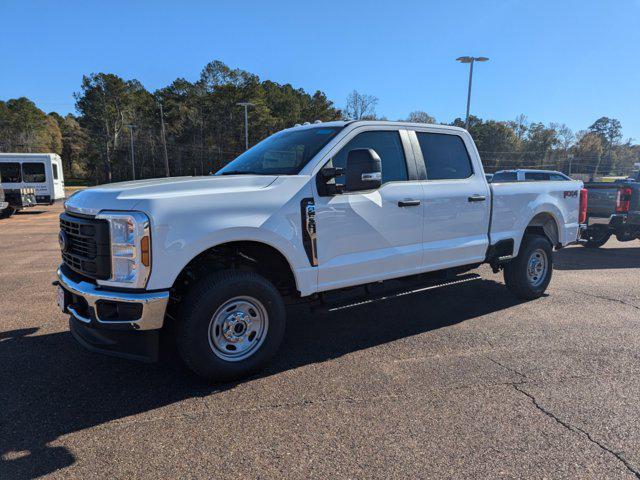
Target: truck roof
x,y
344,123
529,170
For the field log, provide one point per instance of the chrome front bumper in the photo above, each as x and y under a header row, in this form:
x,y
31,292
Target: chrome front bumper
x,y
154,305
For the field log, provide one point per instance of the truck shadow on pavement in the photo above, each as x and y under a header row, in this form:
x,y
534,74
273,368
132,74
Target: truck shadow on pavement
x,y
51,387
30,212
581,258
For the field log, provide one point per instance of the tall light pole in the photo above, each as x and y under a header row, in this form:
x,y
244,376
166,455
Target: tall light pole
x,y
164,142
470,61
133,163
246,105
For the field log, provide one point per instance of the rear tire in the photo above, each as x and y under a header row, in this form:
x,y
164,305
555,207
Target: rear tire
x,y
528,275
7,212
231,324
597,236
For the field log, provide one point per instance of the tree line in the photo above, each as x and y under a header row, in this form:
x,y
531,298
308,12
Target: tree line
x,y
194,128
519,143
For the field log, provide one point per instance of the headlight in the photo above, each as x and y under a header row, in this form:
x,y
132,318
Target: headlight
x,y
130,249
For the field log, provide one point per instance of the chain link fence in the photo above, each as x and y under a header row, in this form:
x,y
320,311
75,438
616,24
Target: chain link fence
x,y
187,160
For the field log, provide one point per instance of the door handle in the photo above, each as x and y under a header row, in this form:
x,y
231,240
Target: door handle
x,y
408,203
477,198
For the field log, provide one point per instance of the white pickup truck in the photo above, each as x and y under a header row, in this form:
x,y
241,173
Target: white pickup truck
x,y
313,209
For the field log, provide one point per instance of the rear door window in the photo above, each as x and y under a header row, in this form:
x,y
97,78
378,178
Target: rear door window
x,y
33,172
10,172
536,176
55,171
505,177
445,156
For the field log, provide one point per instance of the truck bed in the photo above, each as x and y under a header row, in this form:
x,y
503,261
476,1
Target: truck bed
x,y
515,204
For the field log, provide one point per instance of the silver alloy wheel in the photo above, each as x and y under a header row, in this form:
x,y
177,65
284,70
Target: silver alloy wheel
x,y
537,267
238,328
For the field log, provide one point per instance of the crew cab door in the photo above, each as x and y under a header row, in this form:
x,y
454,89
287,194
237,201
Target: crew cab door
x,y
365,236
456,199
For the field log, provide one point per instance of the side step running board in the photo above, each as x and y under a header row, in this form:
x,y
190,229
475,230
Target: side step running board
x,y
335,304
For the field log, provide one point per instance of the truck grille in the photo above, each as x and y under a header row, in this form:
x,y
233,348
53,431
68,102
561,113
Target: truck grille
x,y
85,246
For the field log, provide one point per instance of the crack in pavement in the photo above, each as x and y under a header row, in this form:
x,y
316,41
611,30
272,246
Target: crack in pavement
x,y
601,297
578,430
506,367
518,387
206,411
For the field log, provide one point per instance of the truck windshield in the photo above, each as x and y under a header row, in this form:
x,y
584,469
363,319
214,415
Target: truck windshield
x,y
284,153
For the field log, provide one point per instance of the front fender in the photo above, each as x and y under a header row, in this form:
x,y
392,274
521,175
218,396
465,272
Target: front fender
x,y
169,262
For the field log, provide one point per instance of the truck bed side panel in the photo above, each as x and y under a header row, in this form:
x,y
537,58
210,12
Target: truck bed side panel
x,y
515,205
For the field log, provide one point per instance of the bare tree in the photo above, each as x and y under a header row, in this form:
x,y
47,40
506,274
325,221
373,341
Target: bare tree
x,y
360,106
520,126
566,138
420,116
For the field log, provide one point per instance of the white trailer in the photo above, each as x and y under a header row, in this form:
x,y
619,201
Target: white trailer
x,y
40,171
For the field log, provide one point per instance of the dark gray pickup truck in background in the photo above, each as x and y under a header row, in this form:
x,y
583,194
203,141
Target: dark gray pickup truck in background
x,y
613,209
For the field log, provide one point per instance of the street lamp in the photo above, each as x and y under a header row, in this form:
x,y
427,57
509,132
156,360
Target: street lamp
x,y
470,61
246,105
133,164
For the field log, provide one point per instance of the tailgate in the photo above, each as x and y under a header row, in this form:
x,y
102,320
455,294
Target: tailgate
x,y
602,199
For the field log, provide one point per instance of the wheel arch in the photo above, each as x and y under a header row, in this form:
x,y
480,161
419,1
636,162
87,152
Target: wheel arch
x,y
544,221
243,255
545,224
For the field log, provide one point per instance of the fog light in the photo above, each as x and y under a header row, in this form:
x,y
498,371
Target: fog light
x,y
108,310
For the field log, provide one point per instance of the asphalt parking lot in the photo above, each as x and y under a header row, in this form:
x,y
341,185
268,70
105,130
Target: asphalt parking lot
x,y
456,382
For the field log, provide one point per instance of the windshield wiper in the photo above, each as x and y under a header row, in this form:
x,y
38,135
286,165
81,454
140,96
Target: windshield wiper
x,y
240,172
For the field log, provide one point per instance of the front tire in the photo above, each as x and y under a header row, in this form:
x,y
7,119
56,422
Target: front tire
x,y
231,324
528,275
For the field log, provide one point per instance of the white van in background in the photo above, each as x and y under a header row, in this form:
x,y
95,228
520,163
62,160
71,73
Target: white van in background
x,y
40,171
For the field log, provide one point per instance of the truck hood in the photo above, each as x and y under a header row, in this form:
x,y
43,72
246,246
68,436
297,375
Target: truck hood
x,y
127,195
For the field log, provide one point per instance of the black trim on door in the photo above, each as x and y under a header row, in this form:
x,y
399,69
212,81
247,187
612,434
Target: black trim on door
x,y
409,156
308,219
417,155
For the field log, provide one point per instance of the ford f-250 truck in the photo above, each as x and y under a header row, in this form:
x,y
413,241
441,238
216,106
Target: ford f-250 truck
x,y
312,210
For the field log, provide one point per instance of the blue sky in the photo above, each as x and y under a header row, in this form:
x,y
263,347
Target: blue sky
x,y
563,61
